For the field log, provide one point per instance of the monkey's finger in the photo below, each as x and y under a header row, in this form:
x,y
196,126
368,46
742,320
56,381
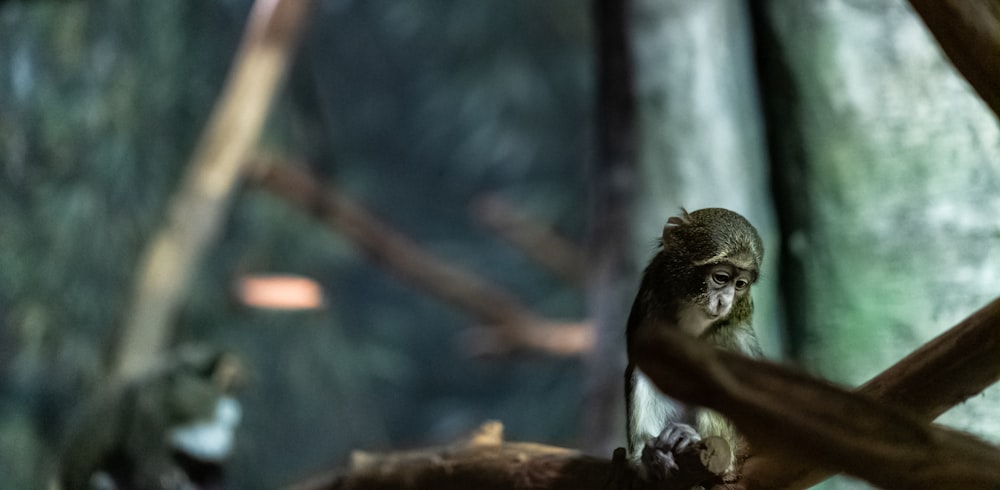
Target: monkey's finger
x,y
677,438
660,465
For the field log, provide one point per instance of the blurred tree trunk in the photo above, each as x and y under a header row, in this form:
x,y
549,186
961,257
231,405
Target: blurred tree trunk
x,y
701,137
609,283
888,182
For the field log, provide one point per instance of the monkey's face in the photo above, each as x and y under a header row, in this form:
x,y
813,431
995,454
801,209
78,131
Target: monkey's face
x,y
719,288
723,284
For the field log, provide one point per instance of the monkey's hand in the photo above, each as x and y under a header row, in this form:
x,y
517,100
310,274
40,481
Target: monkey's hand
x,y
677,457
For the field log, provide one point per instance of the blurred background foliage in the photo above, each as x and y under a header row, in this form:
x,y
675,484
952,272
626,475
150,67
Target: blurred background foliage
x,y
416,108
838,127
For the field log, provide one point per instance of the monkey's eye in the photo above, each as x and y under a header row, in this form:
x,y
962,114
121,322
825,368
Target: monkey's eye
x,y
720,277
742,283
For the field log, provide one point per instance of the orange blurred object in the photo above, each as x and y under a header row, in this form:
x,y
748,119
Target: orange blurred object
x,y
280,292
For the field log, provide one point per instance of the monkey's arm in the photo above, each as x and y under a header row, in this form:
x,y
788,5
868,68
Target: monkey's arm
x,y
662,445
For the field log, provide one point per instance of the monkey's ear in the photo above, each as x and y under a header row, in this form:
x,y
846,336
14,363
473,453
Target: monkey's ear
x,y
683,219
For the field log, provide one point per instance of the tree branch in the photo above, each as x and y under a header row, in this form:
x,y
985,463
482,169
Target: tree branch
x,y
202,200
969,34
485,461
942,373
512,325
813,422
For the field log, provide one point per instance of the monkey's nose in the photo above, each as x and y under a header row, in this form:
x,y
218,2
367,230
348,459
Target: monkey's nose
x,y
720,307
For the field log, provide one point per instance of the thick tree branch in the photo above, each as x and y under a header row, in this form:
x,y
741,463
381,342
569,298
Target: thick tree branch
x,y
202,200
512,325
969,33
942,373
946,371
814,422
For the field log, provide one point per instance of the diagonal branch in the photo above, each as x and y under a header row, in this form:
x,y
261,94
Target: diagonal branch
x,y
512,324
202,200
969,33
946,371
942,373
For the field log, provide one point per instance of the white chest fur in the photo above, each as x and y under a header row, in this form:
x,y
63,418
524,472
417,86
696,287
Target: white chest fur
x,y
652,410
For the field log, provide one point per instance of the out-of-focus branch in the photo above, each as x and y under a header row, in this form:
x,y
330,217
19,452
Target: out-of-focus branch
x,y
942,373
558,338
483,461
818,424
537,241
969,33
202,200
946,371
512,324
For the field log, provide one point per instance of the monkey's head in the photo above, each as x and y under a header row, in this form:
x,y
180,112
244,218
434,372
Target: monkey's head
x,y
712,257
